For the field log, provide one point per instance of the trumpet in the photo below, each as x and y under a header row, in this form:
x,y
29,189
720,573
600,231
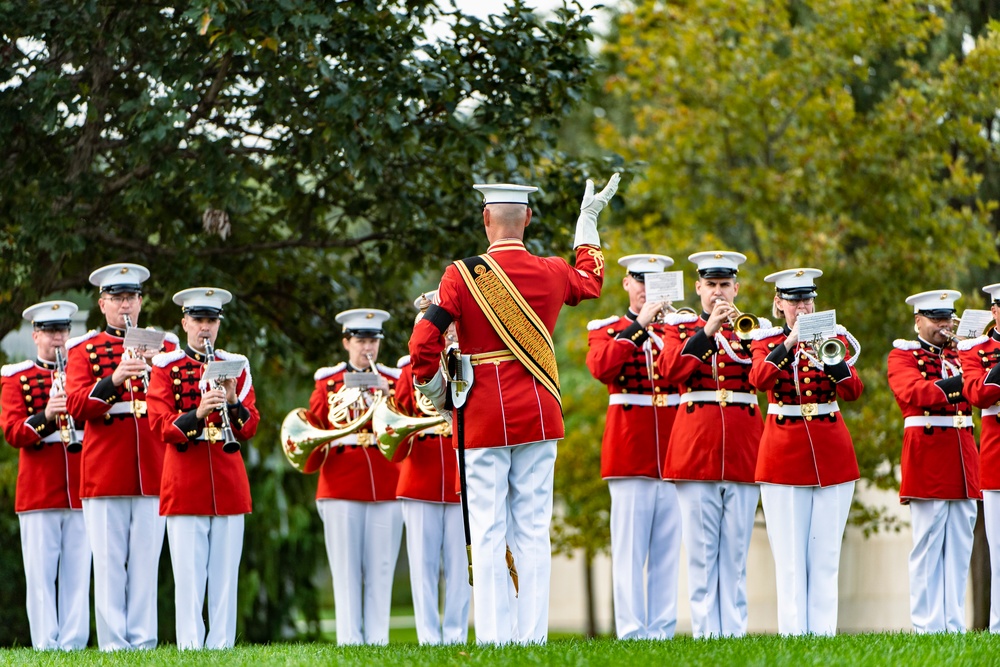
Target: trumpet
x,y
744,324
830,351
135,353
67,427
230,445
661,316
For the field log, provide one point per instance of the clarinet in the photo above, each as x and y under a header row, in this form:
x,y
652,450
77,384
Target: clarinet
x,y
230,444
67,427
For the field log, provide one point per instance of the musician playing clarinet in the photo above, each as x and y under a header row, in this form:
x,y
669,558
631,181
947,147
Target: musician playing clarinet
x,y
47,500
205,492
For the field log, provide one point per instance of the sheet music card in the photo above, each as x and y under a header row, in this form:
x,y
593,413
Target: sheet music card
x,y
217,371
144,339
817,326
973,322
666,286
364,380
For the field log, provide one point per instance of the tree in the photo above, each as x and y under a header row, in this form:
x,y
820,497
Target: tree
x,y
309,156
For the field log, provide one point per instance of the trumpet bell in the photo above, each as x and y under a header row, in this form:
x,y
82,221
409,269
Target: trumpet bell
x,y
832,351
744,325
392,428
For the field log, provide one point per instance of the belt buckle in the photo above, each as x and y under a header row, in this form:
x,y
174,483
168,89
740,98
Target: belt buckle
x,y
366,439
212,433
809,410
443,429
138,407
724,396
960,421
660,400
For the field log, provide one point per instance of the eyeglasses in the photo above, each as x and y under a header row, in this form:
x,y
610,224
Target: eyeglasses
x,y
119,299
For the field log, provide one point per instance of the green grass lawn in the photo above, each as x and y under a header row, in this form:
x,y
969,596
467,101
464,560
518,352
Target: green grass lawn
x,y
877,650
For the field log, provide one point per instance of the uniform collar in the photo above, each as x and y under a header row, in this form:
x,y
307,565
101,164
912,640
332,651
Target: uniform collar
x,y
47,365
114,331
506,244
995,335
351,368
930,347
195,354
630,315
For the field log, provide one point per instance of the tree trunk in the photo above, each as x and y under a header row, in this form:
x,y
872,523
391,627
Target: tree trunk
x,y
980,575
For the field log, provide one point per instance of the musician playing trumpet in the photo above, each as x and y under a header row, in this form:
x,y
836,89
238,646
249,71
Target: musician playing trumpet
x,y
356,496
806,466
940,464
47,500
205,492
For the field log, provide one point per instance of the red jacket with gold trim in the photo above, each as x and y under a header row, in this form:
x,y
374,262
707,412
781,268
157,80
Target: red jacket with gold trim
x,y
981,386
641,409
353,467
121,456
48,477
429,471
803,450
938,462
710,441
198,477
507,405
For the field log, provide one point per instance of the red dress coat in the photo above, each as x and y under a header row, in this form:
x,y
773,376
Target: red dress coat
x,y
507,405
48,477
198,477
641,409
121,456
348,469
710,441
811,450
428,466
938,461
981,386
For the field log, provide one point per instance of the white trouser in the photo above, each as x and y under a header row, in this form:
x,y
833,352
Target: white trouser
x,y
521,476
939,563
717,520
435,536
126,535
362,544
805,527
54,546
991,518
645,535
205,550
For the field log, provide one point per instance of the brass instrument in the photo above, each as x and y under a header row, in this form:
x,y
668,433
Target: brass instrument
x,y
299,438
955,338
830,351
67,427
135,353
230,444
392,427
744,324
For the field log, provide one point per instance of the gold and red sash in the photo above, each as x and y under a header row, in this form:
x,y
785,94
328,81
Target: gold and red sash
x,y
513,318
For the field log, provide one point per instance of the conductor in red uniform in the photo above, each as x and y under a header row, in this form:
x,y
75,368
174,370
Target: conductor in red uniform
x,y
356,497
505,304
981,386
645,517
806,466
205,492
940,463
121,465
713,446
47,500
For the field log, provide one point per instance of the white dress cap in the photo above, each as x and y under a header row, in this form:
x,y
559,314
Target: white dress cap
x,y
423,301
51,314
504,193
203,301
795,284
116,278
646,263
717,263
994,291
936,300
362,322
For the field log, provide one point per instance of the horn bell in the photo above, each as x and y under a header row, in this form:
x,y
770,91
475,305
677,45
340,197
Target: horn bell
x,y
299,439
392,428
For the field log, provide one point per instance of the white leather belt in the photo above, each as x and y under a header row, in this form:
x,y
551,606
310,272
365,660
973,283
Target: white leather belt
x,y
645,400
57,437
942,421
992,410
720,396
803,410
361,439
127,407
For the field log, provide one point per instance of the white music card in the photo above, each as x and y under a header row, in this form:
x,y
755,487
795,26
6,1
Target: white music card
x,y
666,286
974,322
217,371
817,326
364,380
144,339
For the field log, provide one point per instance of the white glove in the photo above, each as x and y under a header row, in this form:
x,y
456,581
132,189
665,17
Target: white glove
x,y
586,224
436,391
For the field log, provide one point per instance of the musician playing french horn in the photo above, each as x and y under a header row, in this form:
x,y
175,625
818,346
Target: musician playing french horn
x,y
47,500
939,464
356,496
806,466
205,492
713,445
122,462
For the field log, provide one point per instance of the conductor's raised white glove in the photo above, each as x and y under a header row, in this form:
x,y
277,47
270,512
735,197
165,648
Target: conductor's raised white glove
x,y
586,224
